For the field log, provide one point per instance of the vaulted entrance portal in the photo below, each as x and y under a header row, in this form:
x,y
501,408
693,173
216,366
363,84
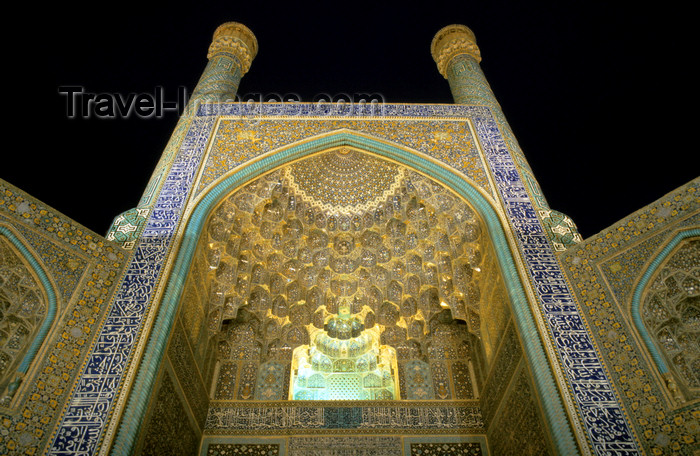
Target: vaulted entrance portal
x,y
345,292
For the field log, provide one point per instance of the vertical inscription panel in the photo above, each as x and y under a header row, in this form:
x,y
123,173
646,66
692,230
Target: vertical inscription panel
x,y
601,414
92,399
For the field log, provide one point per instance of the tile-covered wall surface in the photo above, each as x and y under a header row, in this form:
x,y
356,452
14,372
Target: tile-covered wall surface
x,y
80,271
584,370
618,270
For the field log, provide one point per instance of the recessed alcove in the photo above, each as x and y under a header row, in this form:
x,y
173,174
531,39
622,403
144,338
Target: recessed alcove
x,y
345,291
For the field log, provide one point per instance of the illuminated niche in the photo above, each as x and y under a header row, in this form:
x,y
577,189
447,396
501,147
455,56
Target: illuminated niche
x,y
344,276
344,361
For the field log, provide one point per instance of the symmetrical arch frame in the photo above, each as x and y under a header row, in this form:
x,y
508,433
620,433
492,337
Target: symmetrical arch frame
x,y
198,212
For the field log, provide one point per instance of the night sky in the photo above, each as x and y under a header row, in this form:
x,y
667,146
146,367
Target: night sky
x,y
600,97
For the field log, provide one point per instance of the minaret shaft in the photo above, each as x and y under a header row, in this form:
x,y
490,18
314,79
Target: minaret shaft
x,y
230,54
457,57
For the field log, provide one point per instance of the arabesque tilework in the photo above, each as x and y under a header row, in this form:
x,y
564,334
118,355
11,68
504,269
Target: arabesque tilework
x,y
239,139
85,269
100,381
604,271
85,420
574,370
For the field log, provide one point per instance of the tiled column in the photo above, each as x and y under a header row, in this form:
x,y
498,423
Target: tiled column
x,y
230,55
231,52
457,56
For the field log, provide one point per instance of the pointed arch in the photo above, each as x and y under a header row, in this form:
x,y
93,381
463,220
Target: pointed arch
x,y
198,213
31,261
641,291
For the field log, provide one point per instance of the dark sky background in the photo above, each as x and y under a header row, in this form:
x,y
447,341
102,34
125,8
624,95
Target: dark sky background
x,y
601,97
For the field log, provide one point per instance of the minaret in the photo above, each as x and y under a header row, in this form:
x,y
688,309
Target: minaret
x,y
230,54
457,57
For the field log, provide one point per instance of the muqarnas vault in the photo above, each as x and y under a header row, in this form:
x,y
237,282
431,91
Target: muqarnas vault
x,y
306,280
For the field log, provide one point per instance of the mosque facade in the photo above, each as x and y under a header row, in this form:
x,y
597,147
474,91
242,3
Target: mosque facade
x,y
355,279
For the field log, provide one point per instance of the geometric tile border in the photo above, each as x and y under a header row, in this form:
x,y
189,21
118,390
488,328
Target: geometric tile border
x,y
243,446
472,445
336,445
